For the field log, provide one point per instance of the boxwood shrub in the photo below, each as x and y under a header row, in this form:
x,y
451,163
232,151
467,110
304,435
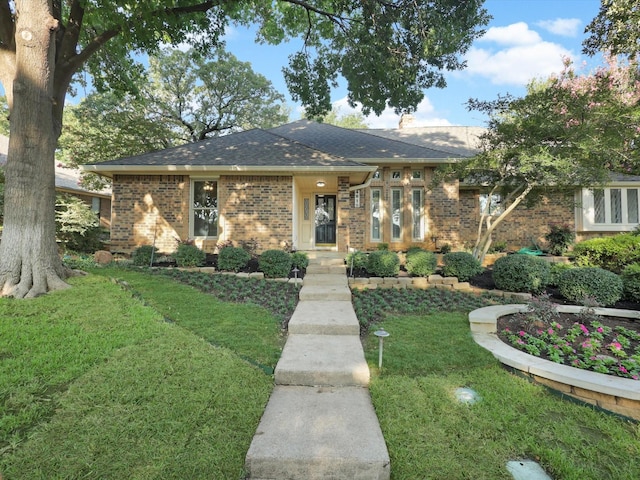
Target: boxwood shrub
x,y
461,264
275,263
521,273
578,284
300,260
357,260
556,271
610,253
233,259
383,263
631,282
142,256
189,255
421,263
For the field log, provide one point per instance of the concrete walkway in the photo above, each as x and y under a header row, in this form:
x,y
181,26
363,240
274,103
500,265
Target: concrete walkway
x,y
319,422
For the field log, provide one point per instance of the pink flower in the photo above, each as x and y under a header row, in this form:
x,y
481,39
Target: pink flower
x,y
600,329
521,342
615,346
550,331
623,370
522,333
584,329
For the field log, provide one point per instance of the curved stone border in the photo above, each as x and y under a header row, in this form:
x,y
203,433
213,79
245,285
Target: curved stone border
x,y
615,394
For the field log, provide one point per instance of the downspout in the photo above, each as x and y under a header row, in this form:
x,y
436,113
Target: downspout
x,y
363,185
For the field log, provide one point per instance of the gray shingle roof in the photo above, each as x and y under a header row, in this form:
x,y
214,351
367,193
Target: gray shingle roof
x,y
251,148
356,144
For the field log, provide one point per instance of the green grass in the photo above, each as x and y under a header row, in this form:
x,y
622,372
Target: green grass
x,y
94,384
148,378
431,435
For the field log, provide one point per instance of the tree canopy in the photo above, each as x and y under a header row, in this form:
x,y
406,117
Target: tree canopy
x,y
616,29
569,131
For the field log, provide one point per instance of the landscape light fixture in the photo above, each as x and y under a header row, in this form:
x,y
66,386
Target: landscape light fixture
x,y
381,334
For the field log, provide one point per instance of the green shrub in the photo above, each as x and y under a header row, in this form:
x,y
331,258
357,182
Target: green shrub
x,y
559,238
383,263
275,263
556,271
357,260
610,253
521,273
383,246
631,282
299,260
421,263
142,256
77,226
498,247
462,265
188,255
446,248
233,259
578,284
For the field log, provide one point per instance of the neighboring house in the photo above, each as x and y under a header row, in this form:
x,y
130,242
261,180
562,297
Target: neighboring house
x,y
307,186
68,181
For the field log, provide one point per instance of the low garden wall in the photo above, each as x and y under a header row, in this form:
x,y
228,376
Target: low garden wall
x,y
614,394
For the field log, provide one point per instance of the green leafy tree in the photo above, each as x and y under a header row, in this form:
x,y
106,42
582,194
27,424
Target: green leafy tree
x,y
568,131
354,120
4,116
388,52
616,29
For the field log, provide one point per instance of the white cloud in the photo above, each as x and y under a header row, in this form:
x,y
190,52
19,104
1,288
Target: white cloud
x,y
566,27
514,34
520,56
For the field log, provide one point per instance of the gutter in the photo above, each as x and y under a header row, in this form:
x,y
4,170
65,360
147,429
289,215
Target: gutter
x,y
366,183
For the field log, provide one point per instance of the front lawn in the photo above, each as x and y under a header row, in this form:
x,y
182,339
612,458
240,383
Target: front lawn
x,y
148,378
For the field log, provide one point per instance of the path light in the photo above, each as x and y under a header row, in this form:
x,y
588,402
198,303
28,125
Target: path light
x,y
295,274
381,334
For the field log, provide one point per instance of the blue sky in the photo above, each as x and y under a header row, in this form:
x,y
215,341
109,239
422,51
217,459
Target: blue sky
x,y
526,39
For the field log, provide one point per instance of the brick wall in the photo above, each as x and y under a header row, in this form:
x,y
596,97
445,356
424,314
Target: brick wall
x,y
257,207
149,209
343,204
523,224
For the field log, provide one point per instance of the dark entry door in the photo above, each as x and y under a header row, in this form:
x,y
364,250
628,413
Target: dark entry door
x,y
325,219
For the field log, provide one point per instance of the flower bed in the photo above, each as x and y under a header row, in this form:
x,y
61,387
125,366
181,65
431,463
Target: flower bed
x,y
609,392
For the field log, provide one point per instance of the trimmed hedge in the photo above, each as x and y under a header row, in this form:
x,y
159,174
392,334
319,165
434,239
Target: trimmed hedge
x,y
188,255
142,256
275,263
603,286
300,260
233,259
631,282
461,264
610,253
521,273
383,263
357,259
556,271
421,263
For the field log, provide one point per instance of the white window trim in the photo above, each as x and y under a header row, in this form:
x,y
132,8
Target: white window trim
x,y
380,213
398,237
588,210
495,208
191,200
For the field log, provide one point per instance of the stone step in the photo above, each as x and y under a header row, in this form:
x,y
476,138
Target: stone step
x,y
330,360
324,318
326,269
310,433
322,292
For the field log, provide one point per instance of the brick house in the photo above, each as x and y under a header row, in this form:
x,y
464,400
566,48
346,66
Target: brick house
x,y
307,186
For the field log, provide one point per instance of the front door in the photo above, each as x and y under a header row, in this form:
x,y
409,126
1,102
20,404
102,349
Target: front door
x,y
325,219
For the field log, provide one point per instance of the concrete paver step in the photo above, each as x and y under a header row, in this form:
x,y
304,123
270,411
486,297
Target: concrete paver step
x,y
324,318
316,433
325,293
328,279
311,360
331,269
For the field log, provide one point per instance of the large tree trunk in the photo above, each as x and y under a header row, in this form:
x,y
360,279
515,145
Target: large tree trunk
x,y
29,261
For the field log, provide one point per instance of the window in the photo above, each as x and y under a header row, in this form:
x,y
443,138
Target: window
x,y
615,209
377,175
495,207
376,214
416,175
396,175
396,214
205,208
95,205
417,224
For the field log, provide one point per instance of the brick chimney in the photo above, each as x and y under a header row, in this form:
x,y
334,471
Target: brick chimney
x,y
405,120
